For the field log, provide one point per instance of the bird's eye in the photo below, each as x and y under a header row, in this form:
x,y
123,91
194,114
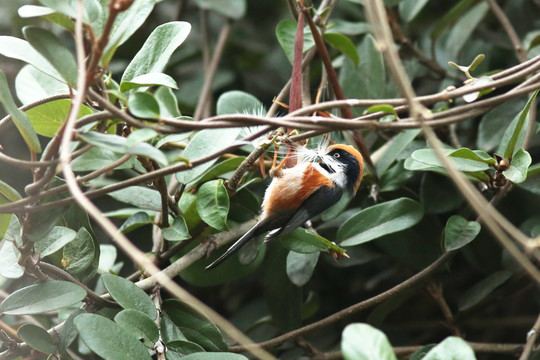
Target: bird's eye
x,y
336,155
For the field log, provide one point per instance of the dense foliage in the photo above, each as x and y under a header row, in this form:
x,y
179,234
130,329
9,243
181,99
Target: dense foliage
x,y
135,148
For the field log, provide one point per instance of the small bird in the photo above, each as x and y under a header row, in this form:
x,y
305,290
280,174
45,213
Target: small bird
x,y
299,193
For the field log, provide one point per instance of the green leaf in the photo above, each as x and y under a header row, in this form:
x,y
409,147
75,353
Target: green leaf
x,y
409,9
140,136
168,104
96,158
91,12
238,102
303,241
68,333
19,118
368,79
213,204
379,220
16,48
214,356
139,196
395,148
348,27
364,342
30,11
47,118
152,79
157,49
286,35
178,231
178,349
108,339
118,144
451,348
143,105
458,232
495,122
300,267
135,221
37,337
194,326
42,297
52,49
344,45
140,325
128,295
517,172
428,157
483,289
438,194
126,23
9,255
234,9
515,130
78,255
224,167
107,258
56,239
32,85
463,29
451,17
203,143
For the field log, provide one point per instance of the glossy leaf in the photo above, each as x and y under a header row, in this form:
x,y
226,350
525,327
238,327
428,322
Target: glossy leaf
x,y
304,241
108,339
451,17
135,221
118,144
380,220
152,79
143,105
286,35
140,325
177,231
139,196
396,147
205,142
19,118
234,9
213,204
52,49
451,348
78,255
129,295
126,23
364,342
462,160
91,12
344,45
47,118
482,289
517,172
494,123
368,79
42,297
195,327
32,85
515,130
37,337
56,239
157,49
168,104
238,102
300,267
9,254
16,48
96,158
458,232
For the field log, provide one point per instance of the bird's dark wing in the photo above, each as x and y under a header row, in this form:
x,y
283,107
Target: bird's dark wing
x,y
316,203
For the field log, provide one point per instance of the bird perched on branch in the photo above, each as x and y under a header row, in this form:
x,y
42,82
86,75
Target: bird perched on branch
x,y
301,192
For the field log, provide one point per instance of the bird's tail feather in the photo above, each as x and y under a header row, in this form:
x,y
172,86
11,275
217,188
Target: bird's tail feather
x,y
254,231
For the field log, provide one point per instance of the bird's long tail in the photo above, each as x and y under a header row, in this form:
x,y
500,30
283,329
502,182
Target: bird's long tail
x,y
254,231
